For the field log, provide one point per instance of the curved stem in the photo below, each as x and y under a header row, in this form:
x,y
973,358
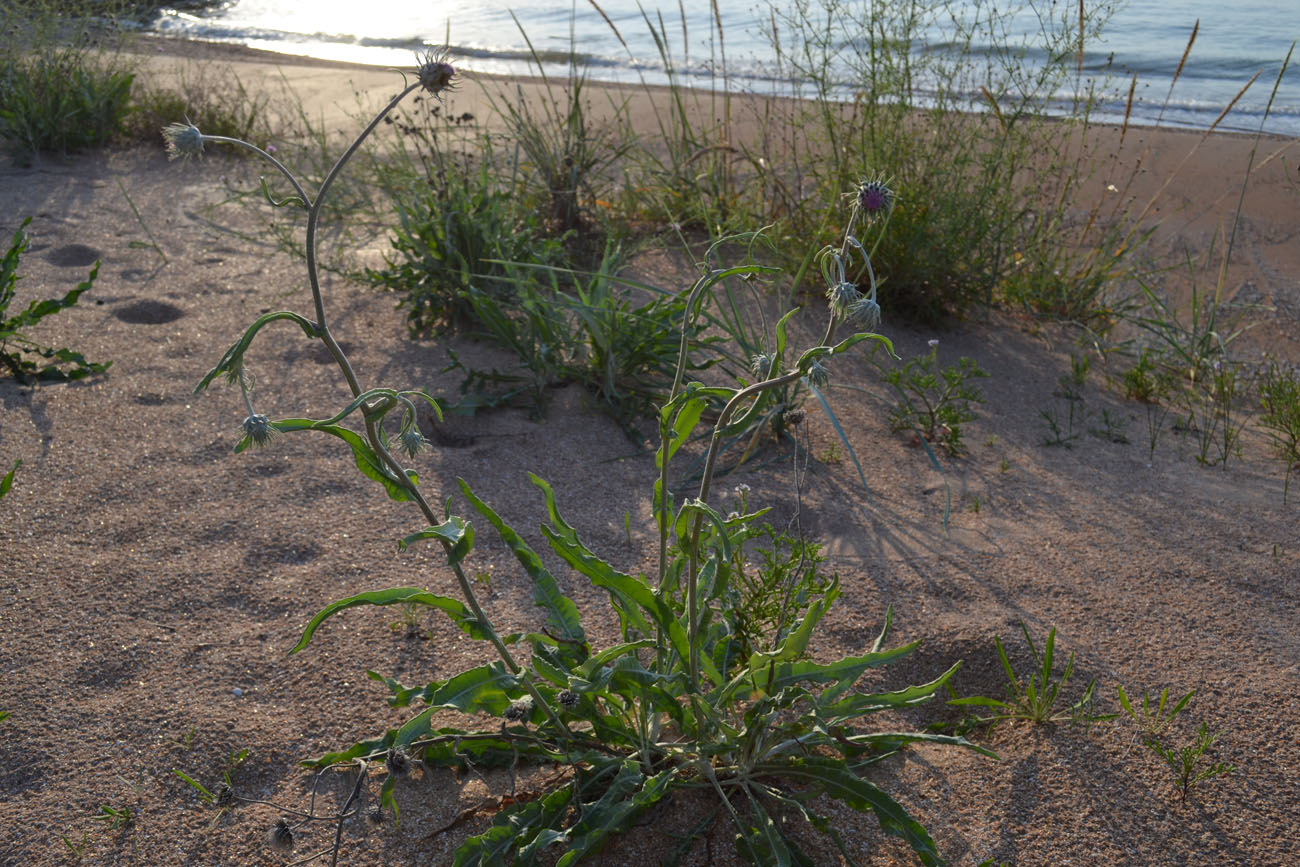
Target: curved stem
x,y
297,187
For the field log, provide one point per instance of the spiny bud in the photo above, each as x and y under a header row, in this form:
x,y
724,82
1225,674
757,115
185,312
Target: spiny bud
x,y
225,796
761,364
183,140
375,814
817,374
865,314
841,296
794,417
280,837
412,441
259,429
569,699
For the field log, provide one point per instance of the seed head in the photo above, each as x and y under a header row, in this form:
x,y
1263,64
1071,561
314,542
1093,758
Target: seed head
x,y
375,814
280,837
865,314
435,73
875,198
225,796
817,374
519,710
794,417
259,429
568,699
841,296
183,140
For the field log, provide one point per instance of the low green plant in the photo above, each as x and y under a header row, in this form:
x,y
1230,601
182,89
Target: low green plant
x,y
1279,396
1211,404
77,850
935,401
1062,433
115,818
1152,722
60,364
1112,428
1188,762
1037,697
676,703
975,504
213,97
1151,384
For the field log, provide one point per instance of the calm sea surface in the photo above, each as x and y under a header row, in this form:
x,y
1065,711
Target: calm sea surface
x,y
1236,40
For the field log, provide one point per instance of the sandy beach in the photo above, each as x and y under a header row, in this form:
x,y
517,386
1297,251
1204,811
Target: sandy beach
x,y
154,581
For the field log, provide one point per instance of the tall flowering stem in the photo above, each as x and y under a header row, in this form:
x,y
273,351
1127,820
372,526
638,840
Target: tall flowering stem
x,y
434,75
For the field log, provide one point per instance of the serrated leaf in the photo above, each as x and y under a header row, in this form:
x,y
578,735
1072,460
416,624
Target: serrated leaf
x,y
833,778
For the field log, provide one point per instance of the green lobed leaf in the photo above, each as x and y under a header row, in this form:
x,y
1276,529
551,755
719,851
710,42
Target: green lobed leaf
x,y
843,674
516,827
562,615
628,796
833,778
796,642
455,609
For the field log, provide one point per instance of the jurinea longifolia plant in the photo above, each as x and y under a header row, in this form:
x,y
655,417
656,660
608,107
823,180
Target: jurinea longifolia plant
x,y
677,703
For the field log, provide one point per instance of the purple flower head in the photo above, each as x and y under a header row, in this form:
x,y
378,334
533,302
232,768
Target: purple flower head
x,y
875,198
435,73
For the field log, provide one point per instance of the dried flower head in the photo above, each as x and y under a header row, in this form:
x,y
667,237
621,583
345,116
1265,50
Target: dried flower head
x,y
280,837
568,698
225,796
794,417
875,198
519,710
864,314
841,296
434,72
375,814
183,140
817,374
398,762
259,429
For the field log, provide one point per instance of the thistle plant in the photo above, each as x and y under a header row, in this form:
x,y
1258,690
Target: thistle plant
x,y
687,698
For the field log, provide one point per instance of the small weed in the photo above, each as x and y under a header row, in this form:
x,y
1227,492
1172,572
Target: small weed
x,y
116,818
15,345
1151,384
76,850
1153,721
1112,428
1004,466
831,455
991,441
1061,435
1279,396
974,504
409,622
933,401
1035,698
1188,762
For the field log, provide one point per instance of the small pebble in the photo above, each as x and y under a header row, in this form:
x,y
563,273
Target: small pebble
x,y
236,692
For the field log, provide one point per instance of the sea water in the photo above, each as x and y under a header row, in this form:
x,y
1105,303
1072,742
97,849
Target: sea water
x,y
1142,45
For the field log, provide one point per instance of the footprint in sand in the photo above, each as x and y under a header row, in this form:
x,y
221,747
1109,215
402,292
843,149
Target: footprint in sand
x,y
72,255
149,312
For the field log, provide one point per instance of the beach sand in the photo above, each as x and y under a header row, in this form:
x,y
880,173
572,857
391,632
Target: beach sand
x,y
154,581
